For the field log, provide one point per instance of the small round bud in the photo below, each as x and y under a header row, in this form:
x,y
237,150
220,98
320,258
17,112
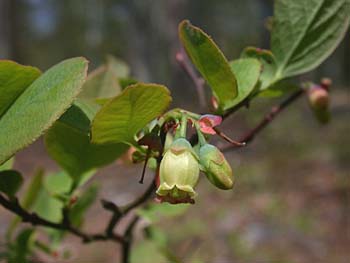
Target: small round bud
x,y
318,97
326,83
319,103
178,174
216,167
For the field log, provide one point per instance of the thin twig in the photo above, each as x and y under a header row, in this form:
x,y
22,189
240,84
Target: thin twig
x,y
148,154
141,199
228,139
198,82
118,214
15,207
250,135
128,235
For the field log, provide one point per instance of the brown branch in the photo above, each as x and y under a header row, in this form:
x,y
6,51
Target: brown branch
x,y
125,240
198,82
250,135
228,139
34,219
128,235
13,205
119,213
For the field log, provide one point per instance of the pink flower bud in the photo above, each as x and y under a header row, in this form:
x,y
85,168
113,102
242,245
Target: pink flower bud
x,y
318,97
208,121
319,103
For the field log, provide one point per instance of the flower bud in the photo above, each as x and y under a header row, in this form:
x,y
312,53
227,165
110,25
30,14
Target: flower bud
x,y
216,167
178,174
208,121
318,97
319,103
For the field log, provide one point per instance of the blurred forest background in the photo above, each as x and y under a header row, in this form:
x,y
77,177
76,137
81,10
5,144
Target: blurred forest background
x,y
291,202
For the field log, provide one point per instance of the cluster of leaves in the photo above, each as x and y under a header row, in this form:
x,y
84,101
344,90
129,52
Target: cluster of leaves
x,y
90,121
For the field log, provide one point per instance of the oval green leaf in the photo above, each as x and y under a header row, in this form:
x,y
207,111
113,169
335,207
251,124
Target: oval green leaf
x,y
14,79
247,72
122,117
40,105
68,143
305,33
268,63
210,62
101,83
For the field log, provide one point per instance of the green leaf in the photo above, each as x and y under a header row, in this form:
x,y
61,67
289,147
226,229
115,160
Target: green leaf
x,y
118,66
22,248
68,143
268,63
122,117
90,108
247,72
157,212
10,182
29,199
14,79
40,105
76,214
278,89
7,165
101,83
210,62
305,33
76,118
33,190
125,82
149,252
58,183
104,82
48,207
53,196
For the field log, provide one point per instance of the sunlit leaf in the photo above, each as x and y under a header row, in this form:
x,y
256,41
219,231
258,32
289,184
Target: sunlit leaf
x,y
14,79
7,165
68,143
122,117
268,65
210,62
247,72
40,105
